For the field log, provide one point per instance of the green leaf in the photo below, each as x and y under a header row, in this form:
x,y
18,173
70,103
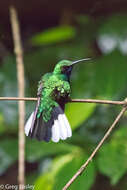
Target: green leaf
x,y
112,158
44,183
85,181
63,168
110,76
8,87
8,153
77,113
36,150
10,146
2,126
54,35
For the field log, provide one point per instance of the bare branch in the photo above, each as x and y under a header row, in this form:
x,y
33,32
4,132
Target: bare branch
x,y
17,99
99,101
83,167
73,100
21,105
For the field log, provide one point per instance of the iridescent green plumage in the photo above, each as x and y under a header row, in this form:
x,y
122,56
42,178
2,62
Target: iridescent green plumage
x,y
55,86
48,120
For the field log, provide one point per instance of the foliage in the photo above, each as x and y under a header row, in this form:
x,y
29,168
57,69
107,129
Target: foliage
x,y
104,77
75,109
64,167
112,157
54,35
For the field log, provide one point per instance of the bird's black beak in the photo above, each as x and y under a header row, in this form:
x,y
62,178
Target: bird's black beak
x,y
81,60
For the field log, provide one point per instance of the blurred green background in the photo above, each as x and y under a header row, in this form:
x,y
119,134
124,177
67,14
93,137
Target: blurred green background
x,y
52,31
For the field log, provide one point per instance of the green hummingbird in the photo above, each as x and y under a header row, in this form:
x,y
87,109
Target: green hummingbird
x,y
48,120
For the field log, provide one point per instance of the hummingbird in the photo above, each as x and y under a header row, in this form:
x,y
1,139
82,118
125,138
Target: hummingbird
x,y
48,121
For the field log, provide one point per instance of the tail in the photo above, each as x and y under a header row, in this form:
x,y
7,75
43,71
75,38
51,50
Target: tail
x,y
61,128
57,128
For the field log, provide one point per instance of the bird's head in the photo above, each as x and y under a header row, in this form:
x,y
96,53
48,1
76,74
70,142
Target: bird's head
x,y
65,66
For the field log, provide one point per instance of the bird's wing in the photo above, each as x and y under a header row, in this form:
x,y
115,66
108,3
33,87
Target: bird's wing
x,y
33,123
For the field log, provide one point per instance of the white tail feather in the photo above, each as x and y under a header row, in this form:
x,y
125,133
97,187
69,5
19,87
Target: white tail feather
x,y
69,131
62,127
55,132
28,124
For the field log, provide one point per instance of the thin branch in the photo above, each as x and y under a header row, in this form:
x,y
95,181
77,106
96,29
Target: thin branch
x,y
17,99
21,105
73,100
83,167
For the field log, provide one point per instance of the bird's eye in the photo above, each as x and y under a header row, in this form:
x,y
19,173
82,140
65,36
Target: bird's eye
x,y
66,68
